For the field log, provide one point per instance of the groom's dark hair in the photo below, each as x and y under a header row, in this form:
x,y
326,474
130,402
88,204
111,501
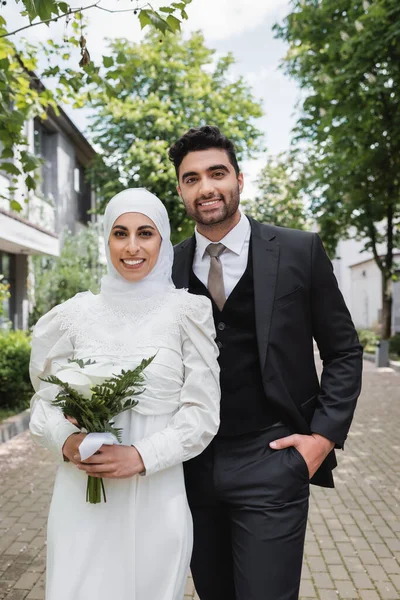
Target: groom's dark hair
x,y
201,138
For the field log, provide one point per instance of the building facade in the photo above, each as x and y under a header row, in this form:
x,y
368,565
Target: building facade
x,y
360,281
62,201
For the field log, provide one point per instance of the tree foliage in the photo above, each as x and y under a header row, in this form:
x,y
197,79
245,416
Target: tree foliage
x,y
150,94
22,93
279,200
346,55
77,269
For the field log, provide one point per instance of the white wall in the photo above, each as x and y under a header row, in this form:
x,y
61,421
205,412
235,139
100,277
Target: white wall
x,y
66,195
348,253
366,290
362,292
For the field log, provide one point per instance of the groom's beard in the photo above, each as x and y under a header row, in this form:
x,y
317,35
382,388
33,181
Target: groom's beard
x,y
228,208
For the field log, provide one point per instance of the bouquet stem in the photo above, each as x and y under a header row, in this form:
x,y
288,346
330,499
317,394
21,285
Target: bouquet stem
x,y
94,489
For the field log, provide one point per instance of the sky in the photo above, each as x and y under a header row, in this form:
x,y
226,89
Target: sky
x,y
243,28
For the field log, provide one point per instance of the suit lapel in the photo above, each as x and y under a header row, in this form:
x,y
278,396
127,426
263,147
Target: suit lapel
x,y
265,270
183,261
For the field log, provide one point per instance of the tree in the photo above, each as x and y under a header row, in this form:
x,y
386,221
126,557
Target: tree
x,y
22,93
77,269
150,94
346,55
279,200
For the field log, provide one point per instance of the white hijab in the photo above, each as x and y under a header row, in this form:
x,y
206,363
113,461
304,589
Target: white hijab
x,y
113,285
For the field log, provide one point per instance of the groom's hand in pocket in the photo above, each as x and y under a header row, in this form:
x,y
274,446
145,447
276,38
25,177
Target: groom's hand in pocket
x,y
116,462
314,448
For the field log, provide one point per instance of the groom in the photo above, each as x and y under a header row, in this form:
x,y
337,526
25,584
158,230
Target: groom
x,y
273,291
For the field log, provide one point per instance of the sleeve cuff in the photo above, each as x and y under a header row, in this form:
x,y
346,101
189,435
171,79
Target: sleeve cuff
x,y
160,451
149,456
57,432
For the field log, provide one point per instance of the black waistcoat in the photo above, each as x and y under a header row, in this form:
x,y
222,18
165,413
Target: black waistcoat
x,y
244,406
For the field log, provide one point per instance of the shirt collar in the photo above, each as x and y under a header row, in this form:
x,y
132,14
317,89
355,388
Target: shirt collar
x,y
234,240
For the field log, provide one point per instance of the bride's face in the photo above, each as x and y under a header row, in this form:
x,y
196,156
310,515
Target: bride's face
x,y
134,244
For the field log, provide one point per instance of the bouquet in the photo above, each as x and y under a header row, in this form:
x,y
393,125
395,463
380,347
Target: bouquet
x,y
95,406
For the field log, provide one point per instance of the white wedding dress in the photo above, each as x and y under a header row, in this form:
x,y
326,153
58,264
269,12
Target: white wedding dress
x,y
137,546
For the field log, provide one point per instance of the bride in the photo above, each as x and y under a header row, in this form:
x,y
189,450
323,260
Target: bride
x,y
137,546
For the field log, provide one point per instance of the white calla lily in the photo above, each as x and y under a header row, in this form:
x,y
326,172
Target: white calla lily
x,y
77,380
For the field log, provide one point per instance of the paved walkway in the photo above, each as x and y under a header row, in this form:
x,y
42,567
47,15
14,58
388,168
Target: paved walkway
x,y
353,540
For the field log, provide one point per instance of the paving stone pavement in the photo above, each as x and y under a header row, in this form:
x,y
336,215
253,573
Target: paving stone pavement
x,y
353,539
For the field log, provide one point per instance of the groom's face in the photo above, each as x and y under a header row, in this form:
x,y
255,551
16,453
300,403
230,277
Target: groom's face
x,y
209,186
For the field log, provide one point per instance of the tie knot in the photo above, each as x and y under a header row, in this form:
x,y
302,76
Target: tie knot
x,y
215,250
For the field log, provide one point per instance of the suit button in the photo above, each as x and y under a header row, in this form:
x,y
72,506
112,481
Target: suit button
x,y
221,326
219,344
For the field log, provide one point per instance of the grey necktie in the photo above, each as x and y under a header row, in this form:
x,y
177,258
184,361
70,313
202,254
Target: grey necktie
x,y
215,276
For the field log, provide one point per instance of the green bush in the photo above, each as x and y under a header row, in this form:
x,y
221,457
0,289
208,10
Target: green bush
x,y
367,338
15,385
394,344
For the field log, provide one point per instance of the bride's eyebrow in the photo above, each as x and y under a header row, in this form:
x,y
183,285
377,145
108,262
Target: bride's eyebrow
x,y
141,228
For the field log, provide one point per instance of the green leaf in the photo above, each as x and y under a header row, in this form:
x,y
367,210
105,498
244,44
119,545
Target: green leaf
x,y
14,205
10,168
64,7
108,61
30,162
30,8
45,8
167,9
7,153
30,182
174,23
151,17
121,58
144,18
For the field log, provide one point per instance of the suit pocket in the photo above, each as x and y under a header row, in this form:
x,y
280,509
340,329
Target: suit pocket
x,y
303,464
288,298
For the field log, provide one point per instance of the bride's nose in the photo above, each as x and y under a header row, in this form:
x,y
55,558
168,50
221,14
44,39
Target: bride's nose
x,y
133,245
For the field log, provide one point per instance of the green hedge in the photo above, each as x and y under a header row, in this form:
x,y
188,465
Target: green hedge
x,y
394,344
15,386
367,337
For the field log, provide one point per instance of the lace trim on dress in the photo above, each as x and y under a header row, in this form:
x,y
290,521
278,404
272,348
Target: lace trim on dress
x,y
99,326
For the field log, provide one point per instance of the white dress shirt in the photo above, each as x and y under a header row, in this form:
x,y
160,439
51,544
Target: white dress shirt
x,y
233,259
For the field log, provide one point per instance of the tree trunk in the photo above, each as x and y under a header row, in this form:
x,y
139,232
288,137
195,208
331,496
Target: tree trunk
x,y
386,307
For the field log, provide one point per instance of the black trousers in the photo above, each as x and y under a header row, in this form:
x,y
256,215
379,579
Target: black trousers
x,y
249,505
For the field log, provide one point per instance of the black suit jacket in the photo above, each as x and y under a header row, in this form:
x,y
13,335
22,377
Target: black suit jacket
x,y
297,299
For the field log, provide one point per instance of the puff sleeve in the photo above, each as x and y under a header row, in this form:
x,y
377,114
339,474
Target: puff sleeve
x,y
51,349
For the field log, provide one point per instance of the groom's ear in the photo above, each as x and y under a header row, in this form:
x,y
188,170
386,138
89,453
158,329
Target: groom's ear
x,y
240,182
178,189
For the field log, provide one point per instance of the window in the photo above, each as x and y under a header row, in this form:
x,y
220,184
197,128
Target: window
x,y
83,193
43,147
7,269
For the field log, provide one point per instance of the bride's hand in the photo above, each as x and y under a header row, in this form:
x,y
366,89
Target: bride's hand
x,y
72,420
117,462
71,447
